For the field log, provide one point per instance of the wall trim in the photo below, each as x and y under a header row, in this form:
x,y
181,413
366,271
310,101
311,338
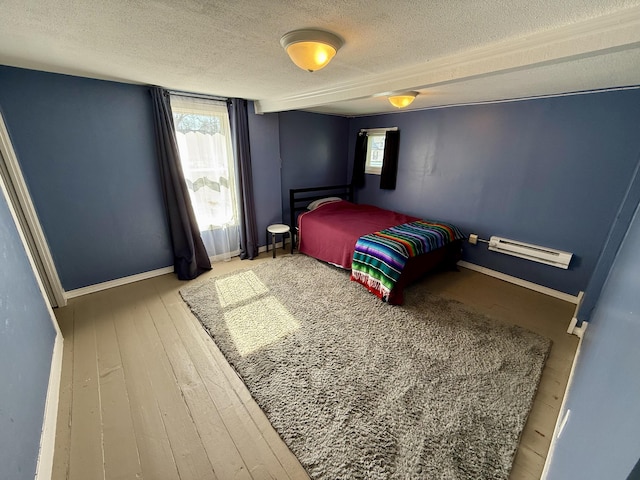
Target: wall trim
x,y
78,292
523,283
44,467
278,245
22,197
573,325
44,462
563,416
503,100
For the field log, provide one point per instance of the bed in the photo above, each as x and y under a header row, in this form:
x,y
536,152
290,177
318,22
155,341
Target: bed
x,y
337,229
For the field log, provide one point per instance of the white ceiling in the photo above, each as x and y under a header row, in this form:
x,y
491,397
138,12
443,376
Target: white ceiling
x,y
452,51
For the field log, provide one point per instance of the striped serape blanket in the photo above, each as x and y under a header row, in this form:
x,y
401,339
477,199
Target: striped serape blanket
x,y
378,258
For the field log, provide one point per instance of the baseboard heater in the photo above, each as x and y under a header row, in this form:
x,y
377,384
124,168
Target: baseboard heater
x,y
535,253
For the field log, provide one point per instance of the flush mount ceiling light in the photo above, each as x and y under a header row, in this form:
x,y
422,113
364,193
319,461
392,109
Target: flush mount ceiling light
x,y
311,50
402,99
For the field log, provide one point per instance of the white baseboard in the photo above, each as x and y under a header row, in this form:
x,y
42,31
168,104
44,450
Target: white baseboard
x,y
563,414
78,292
573,328
523,283
48,436
278,245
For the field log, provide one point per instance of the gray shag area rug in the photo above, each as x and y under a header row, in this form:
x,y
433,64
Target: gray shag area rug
x,y
361,389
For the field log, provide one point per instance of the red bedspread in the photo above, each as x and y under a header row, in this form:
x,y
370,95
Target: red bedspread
x,y
330,232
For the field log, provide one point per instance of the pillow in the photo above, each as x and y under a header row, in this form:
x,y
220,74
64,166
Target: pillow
x,y
316,203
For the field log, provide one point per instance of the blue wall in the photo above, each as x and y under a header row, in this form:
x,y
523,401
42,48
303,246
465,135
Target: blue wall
x,y
313,149
611,246
551,172
264,137
601,438
26,345
87,151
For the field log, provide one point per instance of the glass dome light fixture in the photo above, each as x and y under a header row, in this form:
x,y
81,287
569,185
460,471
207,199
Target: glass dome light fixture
x,y
403,99
311,49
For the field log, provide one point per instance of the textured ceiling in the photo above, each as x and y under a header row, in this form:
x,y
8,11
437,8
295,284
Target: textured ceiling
x,y
452,51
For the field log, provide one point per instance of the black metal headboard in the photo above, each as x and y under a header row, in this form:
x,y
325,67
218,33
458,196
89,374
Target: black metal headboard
x,y
300,198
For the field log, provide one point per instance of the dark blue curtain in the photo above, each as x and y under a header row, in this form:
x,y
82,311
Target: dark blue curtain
x,y
239,120
359,160
190,258
390,164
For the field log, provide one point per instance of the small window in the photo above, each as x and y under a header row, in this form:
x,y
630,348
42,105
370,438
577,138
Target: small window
x,y
375,153
204,141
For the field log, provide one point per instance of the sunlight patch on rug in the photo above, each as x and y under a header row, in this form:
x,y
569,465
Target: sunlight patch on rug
x,y
258,323
238,288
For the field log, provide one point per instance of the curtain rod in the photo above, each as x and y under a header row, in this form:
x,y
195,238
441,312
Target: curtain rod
x,y
387,129
199,95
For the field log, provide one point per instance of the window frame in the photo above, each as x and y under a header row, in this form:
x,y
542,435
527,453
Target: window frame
x,y
181,104
373,134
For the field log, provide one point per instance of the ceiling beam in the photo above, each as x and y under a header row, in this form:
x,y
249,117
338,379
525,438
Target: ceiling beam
x,y
597,36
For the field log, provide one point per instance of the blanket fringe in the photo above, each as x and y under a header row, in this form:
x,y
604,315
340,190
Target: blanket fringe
x,y
372,284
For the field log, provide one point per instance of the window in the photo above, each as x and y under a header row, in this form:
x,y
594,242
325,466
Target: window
x,y
204,141
375,153
375,149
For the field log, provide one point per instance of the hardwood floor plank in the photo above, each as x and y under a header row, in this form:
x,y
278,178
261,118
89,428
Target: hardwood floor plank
x,y
221,451
277,445
156,455
256,452
288,460
550,391
527,464
121,459
186,444
86,458
536,436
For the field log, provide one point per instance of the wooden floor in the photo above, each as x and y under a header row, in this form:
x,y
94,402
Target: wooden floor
x,y
146,394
